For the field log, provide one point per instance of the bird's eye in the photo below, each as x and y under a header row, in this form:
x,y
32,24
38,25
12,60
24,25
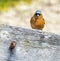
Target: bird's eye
x,y
37,14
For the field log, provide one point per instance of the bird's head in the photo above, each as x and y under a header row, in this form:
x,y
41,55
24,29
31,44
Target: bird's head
x,y
38,13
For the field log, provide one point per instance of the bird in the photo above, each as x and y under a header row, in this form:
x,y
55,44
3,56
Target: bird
x,y
12,45
37,21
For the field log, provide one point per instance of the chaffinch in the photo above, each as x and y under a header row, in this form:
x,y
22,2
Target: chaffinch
x,y
37,21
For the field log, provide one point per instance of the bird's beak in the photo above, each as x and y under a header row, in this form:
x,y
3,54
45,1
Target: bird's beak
x,y
37,15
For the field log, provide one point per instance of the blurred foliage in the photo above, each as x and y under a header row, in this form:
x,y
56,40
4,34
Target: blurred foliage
x,y
5,4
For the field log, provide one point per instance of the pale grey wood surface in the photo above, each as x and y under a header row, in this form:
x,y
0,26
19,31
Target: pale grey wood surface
x,y
31,45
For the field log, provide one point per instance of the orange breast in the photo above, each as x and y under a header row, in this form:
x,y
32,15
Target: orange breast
x,y
39,24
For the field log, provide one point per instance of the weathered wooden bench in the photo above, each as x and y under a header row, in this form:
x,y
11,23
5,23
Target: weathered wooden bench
x,y
31,45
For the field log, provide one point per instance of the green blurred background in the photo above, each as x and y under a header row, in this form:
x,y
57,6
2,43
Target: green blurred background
x,y
19,13
5,4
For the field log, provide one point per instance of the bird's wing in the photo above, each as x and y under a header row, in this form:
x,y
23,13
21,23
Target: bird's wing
x,y
43,20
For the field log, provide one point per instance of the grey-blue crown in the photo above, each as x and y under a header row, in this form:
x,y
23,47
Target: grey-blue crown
x,y
38,12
